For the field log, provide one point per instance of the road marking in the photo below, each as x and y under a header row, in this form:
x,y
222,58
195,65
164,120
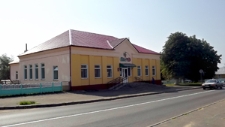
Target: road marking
x,y
110,109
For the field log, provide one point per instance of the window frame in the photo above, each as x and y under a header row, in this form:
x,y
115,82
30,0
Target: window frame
x,y
53,76
153,71
25,72
99,70
146,70
86,71
111,68
36,68
17,75
139,67
42,71
30,72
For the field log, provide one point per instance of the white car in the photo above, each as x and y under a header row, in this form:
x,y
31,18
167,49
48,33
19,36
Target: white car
x,y
212,84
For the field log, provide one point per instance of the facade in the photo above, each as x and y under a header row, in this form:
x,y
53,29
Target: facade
x,y
86,61
220,73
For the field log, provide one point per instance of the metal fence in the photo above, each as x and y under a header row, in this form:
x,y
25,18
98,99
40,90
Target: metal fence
x,y
30,88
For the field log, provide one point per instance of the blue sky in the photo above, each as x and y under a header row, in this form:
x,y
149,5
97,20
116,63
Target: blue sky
x,y
147,23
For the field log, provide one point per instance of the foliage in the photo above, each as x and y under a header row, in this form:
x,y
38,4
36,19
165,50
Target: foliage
x,y
4,67
27,102
184,56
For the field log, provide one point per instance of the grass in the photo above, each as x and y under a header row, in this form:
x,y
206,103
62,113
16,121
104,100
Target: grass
x,y
190,84
27,102
184,84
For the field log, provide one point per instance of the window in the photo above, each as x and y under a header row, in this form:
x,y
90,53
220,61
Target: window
x,y
25,72
16,74
84,71
97,71
138,70
36,71
129,71
153,70
109,71
146,70
31,72
55,72
42,71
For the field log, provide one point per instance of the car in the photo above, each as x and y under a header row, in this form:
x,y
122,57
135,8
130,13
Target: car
x,y
212,84
187,81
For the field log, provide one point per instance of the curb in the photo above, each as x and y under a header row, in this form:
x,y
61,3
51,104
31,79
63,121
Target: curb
x,y
90,101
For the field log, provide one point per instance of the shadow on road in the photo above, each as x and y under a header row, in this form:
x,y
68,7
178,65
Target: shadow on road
x,y
128,89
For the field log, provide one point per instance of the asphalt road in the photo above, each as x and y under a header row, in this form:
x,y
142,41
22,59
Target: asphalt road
x,y
131,112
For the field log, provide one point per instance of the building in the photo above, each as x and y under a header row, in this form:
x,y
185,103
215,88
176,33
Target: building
x,y
220,73
86,60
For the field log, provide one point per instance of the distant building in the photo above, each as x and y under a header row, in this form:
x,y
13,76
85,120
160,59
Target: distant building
x,y
86,60
220,73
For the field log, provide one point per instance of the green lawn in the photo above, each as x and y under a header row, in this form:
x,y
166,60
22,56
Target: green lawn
x,y
184,84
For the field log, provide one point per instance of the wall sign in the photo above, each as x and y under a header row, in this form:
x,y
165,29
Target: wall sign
x,y
125,58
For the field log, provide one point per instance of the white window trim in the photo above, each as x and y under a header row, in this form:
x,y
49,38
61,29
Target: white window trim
x,y
84,68
17,75
154,70
111,70
140,71
41,71
24,72
145,70
31,72
53,73
35,71
99,69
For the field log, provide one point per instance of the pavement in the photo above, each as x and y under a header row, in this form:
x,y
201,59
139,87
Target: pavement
x,y
79,97
212,115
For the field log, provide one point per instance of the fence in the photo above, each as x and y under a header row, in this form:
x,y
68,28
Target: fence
x,y
23,89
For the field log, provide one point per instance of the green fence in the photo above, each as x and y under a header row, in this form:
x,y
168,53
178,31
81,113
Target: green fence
x,y
24,89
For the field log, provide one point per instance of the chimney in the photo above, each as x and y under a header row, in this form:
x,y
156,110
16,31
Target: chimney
x,y
25,47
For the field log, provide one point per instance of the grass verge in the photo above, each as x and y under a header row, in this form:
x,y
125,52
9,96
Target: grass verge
x,y
184,84
27,102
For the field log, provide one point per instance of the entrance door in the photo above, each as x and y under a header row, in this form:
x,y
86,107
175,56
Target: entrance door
x,y
125,75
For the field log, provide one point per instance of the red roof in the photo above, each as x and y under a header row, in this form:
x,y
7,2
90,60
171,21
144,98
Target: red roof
x,y
83,39
144,50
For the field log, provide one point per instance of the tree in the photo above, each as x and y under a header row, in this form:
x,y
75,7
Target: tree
x,y
184,56
4,67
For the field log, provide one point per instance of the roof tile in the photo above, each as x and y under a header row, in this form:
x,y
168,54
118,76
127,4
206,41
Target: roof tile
x,y
83,39
144,50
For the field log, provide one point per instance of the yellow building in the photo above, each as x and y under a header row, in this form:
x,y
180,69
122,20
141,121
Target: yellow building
x,y
87,61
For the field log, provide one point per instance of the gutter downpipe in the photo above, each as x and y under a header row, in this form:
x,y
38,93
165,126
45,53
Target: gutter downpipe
x,y
70,39
70,83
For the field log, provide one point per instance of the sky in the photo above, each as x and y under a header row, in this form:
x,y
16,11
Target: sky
x,y
147,23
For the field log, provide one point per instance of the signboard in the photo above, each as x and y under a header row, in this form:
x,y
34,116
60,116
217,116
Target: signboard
x,y
201,71
125,57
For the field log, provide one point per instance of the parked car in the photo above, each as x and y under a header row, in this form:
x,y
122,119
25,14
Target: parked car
x,y
187,81
212,84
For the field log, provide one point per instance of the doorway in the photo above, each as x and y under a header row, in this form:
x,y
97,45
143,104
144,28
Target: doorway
x,y
124,73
